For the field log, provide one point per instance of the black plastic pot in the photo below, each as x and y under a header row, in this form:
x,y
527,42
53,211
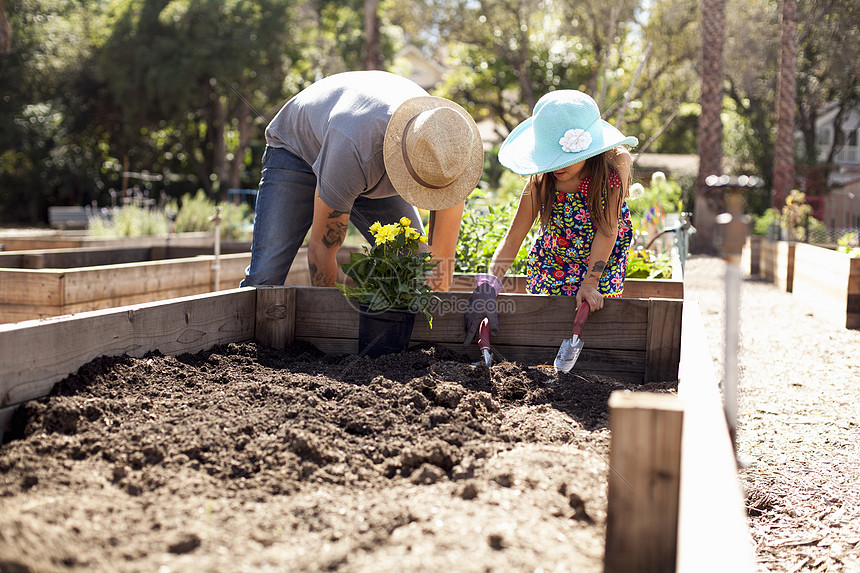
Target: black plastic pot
x,y
384,331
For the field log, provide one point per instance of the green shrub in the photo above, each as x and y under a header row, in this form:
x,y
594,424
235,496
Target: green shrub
x,y
483,228
847,244
766,221
660,197
130,221
644,264
194,214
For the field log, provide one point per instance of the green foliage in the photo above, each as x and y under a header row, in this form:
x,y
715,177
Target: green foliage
x,y
392,273
191,214
660,197
847,244
764,223
642,264
194,214
483,227
130,221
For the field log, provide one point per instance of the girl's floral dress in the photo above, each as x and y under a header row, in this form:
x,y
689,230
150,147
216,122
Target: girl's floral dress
x,y
558,261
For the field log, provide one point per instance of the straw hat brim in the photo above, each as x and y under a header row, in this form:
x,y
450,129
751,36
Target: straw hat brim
x,y
521,154
405,185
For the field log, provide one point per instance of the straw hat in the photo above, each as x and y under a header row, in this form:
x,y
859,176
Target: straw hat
x,y
433,152
564,129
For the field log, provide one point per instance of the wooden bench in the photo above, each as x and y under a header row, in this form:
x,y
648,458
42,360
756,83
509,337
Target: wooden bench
x,y
68,217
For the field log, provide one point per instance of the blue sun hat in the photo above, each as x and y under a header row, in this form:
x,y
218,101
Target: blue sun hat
x,y
564,129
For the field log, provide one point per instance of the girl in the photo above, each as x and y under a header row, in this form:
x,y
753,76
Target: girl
x,y
579,180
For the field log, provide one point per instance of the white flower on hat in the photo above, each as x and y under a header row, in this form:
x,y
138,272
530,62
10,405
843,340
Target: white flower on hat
x,y
575,140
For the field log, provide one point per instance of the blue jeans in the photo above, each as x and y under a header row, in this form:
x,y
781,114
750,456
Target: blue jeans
x,y
284,212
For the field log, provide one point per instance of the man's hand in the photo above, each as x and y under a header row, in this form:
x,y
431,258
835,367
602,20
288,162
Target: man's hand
x,y
482,303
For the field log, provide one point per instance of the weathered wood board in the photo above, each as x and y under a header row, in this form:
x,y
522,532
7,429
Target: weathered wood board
x,y
30,288
777,263
36,354
832,280
633,288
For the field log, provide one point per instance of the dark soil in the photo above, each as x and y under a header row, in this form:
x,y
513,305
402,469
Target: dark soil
x,y
247,459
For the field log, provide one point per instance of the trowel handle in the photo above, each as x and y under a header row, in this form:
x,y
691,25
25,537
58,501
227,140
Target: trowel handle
x,y
581,317
484,334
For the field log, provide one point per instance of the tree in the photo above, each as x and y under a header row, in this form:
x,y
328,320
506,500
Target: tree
x,y
783,173
372,48
194,82
709,201
828,76
5,29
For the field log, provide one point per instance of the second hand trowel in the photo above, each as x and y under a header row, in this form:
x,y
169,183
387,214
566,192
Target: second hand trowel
x,y
570,348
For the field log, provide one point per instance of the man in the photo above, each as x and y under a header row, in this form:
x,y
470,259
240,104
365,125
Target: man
x,y
362,147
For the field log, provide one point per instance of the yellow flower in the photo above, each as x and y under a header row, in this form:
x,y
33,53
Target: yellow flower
x,y
422,239
412,233
405,221
387,233
375,228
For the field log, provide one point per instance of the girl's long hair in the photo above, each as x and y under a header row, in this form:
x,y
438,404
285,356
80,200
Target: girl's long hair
x,y
604,213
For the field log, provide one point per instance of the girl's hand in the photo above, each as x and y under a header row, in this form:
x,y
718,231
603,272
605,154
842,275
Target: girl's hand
x,y
589,294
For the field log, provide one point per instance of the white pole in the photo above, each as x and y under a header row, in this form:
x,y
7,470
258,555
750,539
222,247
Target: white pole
x,y
216,265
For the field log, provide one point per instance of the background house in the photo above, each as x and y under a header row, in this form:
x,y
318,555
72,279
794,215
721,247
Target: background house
x,y
840,208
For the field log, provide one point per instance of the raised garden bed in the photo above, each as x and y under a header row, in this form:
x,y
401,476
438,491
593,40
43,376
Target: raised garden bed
x,y
832,280
12,241
517,501
52,282
810,272
776,263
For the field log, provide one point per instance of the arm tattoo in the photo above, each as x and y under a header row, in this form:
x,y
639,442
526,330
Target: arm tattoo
x,y
335,231
318,278
597,270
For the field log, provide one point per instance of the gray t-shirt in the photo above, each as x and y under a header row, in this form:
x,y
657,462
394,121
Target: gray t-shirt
x,y
337,125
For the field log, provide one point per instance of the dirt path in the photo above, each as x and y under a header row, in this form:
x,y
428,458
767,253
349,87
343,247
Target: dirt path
x,y
799,422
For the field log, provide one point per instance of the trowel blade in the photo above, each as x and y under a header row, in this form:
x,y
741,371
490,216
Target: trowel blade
x,y
568,352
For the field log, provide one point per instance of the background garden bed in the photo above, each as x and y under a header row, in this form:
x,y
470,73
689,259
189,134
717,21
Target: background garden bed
x,y
812,272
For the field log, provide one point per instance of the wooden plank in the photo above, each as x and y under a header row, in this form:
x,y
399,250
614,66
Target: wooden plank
x,y
36,354
524,320
644,482
751,257
276,316
110,281
713,530
784,265
69,240
19,312
831,279
633,288
41,287
663,347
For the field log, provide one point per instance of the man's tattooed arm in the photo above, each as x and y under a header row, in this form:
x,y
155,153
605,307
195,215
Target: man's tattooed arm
x,y
335,231
328,232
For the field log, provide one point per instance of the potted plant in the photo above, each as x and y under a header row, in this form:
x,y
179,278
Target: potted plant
x,y
389,284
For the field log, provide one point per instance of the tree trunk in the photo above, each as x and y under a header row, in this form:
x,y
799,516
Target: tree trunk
x,y
709,201
5,30
783,161
372,48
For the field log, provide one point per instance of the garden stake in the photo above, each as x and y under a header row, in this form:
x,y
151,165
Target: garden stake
x,y
570,348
